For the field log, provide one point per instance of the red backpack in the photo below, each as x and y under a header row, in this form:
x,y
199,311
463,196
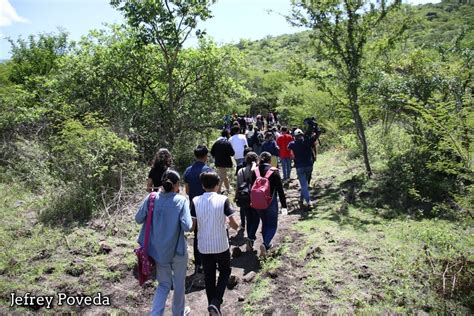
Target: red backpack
x,y
260,194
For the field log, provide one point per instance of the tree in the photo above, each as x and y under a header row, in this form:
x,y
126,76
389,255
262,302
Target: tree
x,y
37,57
341,30
168,24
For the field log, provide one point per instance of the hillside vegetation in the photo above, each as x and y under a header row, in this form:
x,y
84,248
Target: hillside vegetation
x,y
81,121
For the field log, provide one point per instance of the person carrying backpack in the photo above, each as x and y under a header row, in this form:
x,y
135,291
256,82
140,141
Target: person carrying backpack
x,y
266,183
242,198
222,152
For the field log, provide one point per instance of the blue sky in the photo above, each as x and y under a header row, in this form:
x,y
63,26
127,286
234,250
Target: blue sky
x,y
233,19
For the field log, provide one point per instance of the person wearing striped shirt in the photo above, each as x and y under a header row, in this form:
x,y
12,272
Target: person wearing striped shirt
x,y
211,212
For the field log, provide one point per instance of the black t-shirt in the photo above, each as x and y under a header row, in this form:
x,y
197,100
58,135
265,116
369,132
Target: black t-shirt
x,y
155,175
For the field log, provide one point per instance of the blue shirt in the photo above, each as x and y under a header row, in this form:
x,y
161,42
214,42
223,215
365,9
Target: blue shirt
x,y
171,218
302,151
272,147
191,177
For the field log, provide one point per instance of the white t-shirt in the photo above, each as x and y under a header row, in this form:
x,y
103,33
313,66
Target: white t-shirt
x,y
211,210
238,142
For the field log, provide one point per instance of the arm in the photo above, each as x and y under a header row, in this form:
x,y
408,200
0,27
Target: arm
x,y
213,150
194,225
140,217
230,149
186,221
290,145
240,177
233,223
149,185
193,216
229,212
279,188
276,149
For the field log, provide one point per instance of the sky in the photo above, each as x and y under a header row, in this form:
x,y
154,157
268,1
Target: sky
x,y
232,21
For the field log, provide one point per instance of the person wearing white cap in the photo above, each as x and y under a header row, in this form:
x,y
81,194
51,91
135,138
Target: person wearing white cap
x,y
301,147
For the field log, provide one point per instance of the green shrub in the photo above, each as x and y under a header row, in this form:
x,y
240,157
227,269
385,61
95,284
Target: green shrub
x,y
72,202
27,161
90,159
89,151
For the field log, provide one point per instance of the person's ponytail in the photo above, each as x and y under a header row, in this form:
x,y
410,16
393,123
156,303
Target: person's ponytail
x,y
168,185
169,179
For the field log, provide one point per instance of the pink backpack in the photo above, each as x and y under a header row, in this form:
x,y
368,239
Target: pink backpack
x,y
260,194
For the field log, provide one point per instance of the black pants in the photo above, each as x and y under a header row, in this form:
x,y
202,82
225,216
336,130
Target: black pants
x,y
197,255
253,220
212,263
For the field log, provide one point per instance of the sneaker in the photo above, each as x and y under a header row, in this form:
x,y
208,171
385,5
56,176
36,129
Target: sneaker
x,y
213,310
187,310
263,250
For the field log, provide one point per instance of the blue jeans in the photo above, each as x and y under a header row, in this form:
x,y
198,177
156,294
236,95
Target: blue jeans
x,y
269,219
304,174
286,166
168,275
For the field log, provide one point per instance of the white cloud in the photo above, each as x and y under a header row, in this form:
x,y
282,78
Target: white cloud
x,y
8,14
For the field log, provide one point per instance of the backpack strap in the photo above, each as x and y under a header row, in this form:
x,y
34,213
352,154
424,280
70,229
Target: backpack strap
x,y
257,172
270,172
151,205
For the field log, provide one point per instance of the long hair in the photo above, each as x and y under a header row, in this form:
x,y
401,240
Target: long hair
x,y
162,158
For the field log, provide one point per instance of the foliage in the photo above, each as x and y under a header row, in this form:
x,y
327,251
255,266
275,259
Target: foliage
x,y
37,56
90,151
343,29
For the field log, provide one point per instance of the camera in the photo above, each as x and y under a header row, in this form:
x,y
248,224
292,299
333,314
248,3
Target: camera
x,y
312,126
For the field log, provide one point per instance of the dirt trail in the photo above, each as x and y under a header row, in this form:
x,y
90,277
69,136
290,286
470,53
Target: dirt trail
x,y
130,298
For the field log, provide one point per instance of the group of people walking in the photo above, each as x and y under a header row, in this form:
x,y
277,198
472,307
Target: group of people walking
x,y
207,211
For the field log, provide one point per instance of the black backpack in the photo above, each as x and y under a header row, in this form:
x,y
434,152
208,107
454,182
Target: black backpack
x,y
242,196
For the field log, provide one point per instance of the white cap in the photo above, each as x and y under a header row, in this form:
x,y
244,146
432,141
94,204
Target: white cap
x,y
298,132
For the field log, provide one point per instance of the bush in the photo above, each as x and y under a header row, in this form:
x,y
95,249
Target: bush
x,y
72,202
90,160
90,152
28,163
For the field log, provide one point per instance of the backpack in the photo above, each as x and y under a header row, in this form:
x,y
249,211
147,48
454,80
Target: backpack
x,y
242,195
260,194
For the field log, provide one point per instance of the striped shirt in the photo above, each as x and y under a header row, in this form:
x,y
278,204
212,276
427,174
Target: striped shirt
x,y
211,211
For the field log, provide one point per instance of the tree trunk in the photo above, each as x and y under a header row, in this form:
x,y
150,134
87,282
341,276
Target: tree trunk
x,y
361,135
359,124
170,116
